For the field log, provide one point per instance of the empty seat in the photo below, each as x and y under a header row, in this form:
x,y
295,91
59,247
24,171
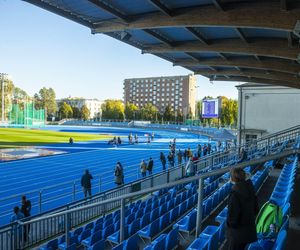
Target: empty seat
x,y
211,232
172,239
145,220
99,245
162,209
149,231
51,245
201,243
97,236
170,204
182,208
73,240
129,219
107,231
164,221
154,214
280,241
188,223
89,226
139,214
157,244
85,234
174,214
134,227
79,230
115,237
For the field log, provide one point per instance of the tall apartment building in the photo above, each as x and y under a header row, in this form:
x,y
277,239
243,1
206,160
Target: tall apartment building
x,y
94,105
177,91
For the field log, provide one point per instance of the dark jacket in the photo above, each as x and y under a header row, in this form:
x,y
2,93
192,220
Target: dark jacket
x,y
163,158
26,208
150,165
242,210
86,180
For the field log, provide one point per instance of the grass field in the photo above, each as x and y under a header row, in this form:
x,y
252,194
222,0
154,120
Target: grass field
x,y
13,137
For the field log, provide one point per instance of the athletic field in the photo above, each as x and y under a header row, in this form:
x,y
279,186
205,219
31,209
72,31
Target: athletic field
x,y
54,177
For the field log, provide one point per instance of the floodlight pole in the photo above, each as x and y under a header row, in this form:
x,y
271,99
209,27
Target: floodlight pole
x,y
2,111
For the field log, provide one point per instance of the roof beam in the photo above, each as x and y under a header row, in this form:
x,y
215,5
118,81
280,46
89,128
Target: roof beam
x,y
273,65
197,35
218,5
260,47
241,35
59,11
110,10
163,8
254,80
242,15
254,73
158,37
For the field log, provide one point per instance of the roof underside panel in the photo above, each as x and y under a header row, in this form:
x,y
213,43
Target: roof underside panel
x,y
81,8
174,4
217,32
264,33
132,7
177,34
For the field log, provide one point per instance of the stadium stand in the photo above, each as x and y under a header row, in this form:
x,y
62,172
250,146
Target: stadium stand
x,y
158,217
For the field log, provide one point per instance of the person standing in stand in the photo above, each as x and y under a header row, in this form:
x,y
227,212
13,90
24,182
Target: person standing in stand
x,y
150,166
25,210
163,160
86,183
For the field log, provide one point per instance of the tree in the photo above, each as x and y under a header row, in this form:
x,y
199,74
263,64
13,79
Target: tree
x,y
130,111
46,99
85,113
19,95
65,111
168,114
76,112
113,109
148,112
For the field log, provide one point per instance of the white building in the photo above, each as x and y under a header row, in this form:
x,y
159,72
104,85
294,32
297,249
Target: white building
x,y
94,105
265,109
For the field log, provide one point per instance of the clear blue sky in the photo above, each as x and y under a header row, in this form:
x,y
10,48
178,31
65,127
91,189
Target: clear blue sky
x,y
38,48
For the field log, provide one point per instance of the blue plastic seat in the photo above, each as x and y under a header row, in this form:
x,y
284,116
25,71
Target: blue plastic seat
x,y
213,233
107,223
188,223
134,209
109,230
174,213
164,221
78,231
162,209
71,247
170,204
115,237
131,243
99,245
115,213
222,215
200,243
116,218
177,200
183,196
145,220
182,208
129,219
149,231
172,239
117,226
95,237
96,228
73,240
108,217
154,205
147,209
190,202
51,245
161,201
89,226
134,227
281,241
157,244
139,214
100,220
85,234
154,214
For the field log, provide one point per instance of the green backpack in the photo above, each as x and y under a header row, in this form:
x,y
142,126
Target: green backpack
x,y
269,214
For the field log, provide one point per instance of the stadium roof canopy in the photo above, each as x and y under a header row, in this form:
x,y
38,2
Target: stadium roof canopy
x,y
227,40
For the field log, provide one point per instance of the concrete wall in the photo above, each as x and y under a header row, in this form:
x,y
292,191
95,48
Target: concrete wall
x,y
267,109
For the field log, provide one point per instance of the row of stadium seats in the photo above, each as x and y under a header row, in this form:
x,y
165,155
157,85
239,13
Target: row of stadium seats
x,y
213,236
137,214
281,196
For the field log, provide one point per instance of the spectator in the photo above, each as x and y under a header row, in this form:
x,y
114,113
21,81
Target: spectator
x,y
18,215
242,210
136,139
204,150
219,146
150,166
163,160
171,159
86,183
119,175
199,150
119,140
25,210
209,148
148,140
152,136
179,157
185,155
189,153
71,140
243,156
143,167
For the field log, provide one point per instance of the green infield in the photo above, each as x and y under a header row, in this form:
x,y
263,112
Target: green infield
x,y
13,137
